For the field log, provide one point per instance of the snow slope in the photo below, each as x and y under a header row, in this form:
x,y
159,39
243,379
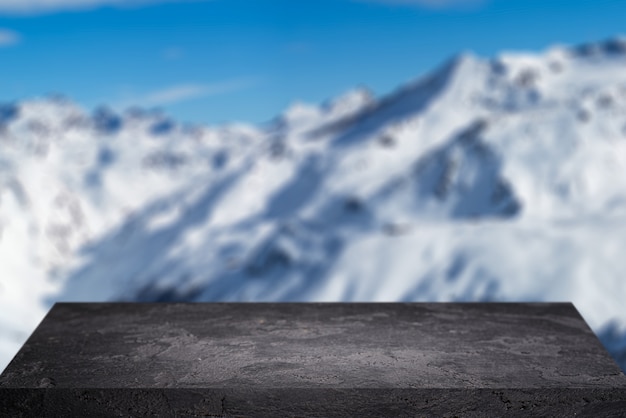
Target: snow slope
x,y
487,180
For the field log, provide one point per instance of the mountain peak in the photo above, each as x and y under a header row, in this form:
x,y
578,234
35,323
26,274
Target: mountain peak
x,y
615,46
350,102
299,113
469,164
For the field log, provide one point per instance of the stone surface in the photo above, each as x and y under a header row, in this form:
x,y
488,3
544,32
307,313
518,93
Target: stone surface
x,y
313,359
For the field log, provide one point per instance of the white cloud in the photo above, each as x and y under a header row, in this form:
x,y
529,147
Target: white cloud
x,y
29,7
8,37
184,92
173,54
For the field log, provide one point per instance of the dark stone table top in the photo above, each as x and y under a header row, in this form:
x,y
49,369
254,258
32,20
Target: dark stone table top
x,y
259,350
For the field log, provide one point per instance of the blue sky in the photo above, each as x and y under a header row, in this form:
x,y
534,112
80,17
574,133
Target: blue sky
x,y
214,61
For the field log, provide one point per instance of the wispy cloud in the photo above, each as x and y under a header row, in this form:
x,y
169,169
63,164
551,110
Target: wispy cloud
x,y
173,53
9,37
431,4
185,92
27,7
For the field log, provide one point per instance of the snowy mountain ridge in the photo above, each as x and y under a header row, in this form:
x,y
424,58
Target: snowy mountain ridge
x,y
486,180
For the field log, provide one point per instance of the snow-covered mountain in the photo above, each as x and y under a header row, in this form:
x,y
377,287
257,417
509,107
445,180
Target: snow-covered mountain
x,y
488,180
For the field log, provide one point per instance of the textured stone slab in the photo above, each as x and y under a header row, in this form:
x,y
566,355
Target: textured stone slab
x,y
314,359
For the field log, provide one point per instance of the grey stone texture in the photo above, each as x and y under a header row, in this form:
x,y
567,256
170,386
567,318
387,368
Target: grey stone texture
x,y
312,359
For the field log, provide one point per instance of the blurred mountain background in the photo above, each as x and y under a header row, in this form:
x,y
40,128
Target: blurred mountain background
x,y
494,178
